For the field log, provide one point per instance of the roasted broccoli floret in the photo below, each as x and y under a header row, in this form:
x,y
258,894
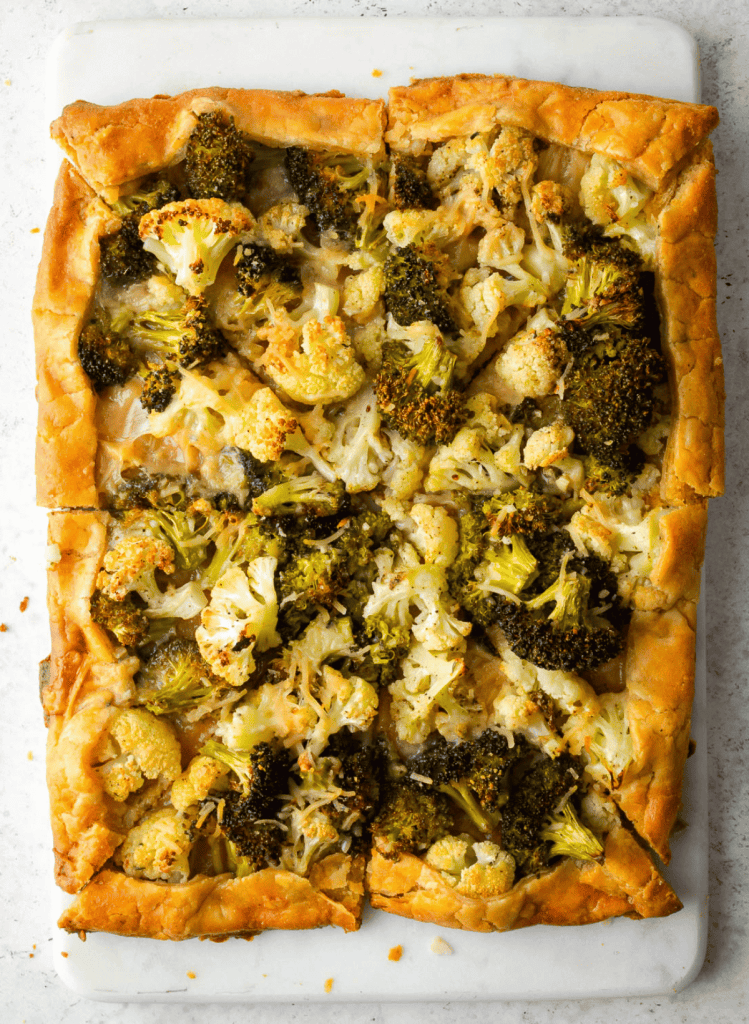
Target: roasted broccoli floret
x,y
534,796
186,336
522,512
159,386
609,394
604,281
259,266
125,619
617,476
414,287
105,354
409,186
359,776
569,837
175,678
415,392
473,774
123,258
328,184
149,490
218,158
410,820
302,494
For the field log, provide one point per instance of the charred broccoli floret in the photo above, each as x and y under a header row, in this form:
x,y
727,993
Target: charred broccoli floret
x,y
105,354
259,266
609,394
533,797
186,337
175,678
522,512
302,494
617,476
603,285
414,289
415,392
159,386
327,184
123,258
263,775
410,820
409,186
149,490
473,774
217,159
125,619
359,776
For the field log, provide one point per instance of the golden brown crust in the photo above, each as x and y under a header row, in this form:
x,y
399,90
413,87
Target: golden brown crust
x,y
660,690
686,290
625,882
112,146
221,905
69,268
649,136
675,575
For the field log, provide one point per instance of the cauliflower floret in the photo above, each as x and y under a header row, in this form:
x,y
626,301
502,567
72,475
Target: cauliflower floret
x,y
317,366
192,237
367,342
435,626
339,702
427,685
547,445
310,835
492,874
194,784
270,711
157,848
550,201
138,746
130,566
603,739
534,359
448,854
611,197
241,616
513,160
404,473
281,226
467,463
483,413
267,424
361,292
436,534
483,295
357,450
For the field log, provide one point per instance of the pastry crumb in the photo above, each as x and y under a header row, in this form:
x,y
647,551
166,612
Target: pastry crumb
x,y
30,755
395,953
440,947
329,985
63,953
376,73
31,956
35,231
82,935
24,604
191,974
7,82
3,628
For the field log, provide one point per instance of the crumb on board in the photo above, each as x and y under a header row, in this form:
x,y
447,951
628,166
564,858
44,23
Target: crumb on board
x,y
7,82
191,974
395,953
24,604
440,947
63,953
35,231
376,73
3,628
82,935
31,956
30,755
329,985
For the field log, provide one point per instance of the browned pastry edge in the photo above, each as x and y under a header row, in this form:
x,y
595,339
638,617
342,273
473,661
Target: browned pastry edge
x,y
67,276
221,905
660,689
675,574
625,882
114,145
686,289
646,134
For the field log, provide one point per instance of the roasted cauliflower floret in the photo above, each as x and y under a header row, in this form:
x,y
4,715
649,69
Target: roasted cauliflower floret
x,y
138,746
550,202
448,854
548,445
194,784
272,711
467,463
267,424
492,874
316,365
281,226
240,617
361,292
192,237
157,848
533,361
428,686
436,534
612,198
501,245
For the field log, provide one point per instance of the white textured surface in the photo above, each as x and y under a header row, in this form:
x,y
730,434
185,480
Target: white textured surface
x,y
29,988
618,958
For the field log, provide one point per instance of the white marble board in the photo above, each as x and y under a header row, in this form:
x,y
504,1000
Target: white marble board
x,y
107,62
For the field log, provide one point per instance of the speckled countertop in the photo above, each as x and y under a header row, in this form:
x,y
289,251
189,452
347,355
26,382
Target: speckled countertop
x,y
30,990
